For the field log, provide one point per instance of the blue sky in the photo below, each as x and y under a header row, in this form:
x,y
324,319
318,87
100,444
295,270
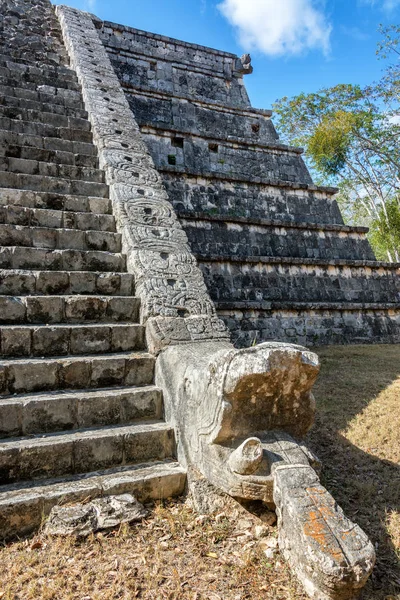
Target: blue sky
x,y
296,45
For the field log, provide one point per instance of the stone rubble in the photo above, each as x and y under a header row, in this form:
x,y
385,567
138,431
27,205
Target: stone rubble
x,y
80,520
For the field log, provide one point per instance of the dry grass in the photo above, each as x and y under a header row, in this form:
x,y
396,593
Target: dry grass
x,y
174,554
357,437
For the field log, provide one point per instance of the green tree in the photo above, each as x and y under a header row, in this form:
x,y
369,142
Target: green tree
x,y
351,138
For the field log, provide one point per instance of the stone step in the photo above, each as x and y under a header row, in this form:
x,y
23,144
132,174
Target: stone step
x,y
252,279
48,118
309,306
66,340
43,183
10,48
207,217
32,81
53,201
293,261
23,506
39,217
10,53
45,169
21,376
11,142
217,236
45,95
19,282
48,237
29,414
33,153
8,65
29,53
83,451
47,107
44,130
18,257
68,309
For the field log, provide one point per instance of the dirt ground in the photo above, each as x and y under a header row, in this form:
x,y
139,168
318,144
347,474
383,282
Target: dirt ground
x,y
175,554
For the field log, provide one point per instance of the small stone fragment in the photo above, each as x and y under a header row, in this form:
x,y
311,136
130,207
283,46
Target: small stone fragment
x,y
114,510
260,531
102,513
78,520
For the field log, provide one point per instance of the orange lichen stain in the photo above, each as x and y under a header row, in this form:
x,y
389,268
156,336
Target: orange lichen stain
x,y
328,512
316,528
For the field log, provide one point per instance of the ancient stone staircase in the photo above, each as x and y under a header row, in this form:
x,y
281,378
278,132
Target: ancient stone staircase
x,y
79,413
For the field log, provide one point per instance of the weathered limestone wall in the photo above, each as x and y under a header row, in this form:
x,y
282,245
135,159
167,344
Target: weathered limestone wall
x,y
265,237
162,64
311,324
193,109
294,280
249,198
30,31
241,237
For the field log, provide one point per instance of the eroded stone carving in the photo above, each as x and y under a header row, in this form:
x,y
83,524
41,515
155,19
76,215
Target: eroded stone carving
x,y
239,414
243,65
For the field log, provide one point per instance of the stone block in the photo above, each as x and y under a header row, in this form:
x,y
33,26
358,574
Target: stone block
x,y
16,341
82,282
44,309
90,340
100,409
127,337
139,370
109,372
95,451
10,418
48,282
47,414
81,308
50,341
75,373
12,309
31,376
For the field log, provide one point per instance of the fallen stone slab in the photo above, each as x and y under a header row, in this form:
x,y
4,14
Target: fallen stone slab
x,y
102,513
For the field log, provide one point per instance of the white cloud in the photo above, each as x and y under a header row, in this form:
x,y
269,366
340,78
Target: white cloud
x,y
387,5
277,27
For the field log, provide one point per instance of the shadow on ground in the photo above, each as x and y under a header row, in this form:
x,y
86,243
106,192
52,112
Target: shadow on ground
x,y
356,436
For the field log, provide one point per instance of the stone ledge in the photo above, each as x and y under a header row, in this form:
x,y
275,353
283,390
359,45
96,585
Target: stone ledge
x,y
33,67
307,306
248,111
233,142
203,216
181,64
255,180
299,261
162,38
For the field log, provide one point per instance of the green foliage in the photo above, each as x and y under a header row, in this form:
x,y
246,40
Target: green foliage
x,y
330,143
385,232
352,140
